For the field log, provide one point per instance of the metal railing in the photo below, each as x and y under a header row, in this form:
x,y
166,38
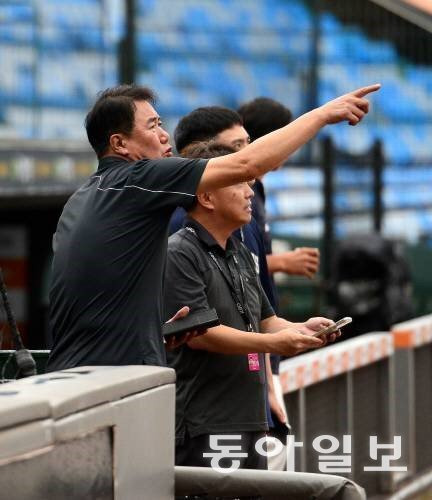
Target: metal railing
x,y
342,390
377,384
413,375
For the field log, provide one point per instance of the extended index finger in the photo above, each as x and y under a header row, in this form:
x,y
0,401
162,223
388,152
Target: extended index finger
x,y
362,91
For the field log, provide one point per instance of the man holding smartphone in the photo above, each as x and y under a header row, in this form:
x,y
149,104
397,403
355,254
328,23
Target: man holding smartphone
x,y
221,375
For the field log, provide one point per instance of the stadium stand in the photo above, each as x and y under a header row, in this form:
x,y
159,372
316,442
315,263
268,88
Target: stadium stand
x,y
261,49
59,54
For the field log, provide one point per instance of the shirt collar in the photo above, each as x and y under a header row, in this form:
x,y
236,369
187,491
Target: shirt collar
x,y
207,239
110,161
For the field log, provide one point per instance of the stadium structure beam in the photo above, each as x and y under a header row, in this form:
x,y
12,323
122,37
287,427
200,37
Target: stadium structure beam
x,y
127,46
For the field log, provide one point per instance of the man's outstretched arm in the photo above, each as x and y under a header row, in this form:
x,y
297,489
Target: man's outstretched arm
x,y
273,149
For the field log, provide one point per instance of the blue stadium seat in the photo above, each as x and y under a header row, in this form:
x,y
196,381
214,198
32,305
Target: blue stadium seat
x,y
22,12
203,52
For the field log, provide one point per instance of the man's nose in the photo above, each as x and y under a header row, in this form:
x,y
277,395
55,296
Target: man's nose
x,y
164,136
249,192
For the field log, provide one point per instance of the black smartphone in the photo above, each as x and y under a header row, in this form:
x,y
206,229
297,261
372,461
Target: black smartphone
x,y
199,320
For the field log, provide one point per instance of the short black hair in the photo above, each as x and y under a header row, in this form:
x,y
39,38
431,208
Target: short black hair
x,y
207,150
114,112
264,115
203,124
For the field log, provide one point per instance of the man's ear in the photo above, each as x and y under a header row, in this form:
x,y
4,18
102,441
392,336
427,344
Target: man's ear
x,y
118,144
205,200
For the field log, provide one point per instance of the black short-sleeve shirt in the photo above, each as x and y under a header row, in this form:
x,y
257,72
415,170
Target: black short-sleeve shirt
x,y
215,392
109,260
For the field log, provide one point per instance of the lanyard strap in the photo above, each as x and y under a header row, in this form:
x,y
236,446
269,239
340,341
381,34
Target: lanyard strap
x,y
239,301
239,298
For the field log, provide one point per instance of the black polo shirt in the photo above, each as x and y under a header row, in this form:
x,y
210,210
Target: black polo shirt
x,y
109,261
215,392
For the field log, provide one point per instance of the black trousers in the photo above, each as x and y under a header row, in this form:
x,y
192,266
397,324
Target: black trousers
x,y
191,451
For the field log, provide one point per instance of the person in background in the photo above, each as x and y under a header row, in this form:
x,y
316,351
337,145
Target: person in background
x,y
260,117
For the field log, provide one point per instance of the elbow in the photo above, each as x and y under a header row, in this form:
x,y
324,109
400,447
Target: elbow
x,y
249,168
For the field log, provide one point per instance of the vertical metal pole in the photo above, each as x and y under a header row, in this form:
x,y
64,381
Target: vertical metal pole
x,y
328,192
378,167
314,56
36,62
312,73
127,46
404,407
302,428
349,387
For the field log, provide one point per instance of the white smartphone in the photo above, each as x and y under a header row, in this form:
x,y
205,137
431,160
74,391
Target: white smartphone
x,y
333,328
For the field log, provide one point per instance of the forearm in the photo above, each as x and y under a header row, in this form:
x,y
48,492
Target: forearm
x,y
273,263
275,324
262,155
273,149
226,340
279,337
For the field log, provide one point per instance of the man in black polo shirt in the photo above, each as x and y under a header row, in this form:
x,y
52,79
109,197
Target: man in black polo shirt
x,y
221,375
227,128
110,243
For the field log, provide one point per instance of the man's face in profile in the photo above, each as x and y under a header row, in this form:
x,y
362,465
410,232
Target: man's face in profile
x,y
148,139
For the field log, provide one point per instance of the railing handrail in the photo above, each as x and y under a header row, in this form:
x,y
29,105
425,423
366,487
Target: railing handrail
x,y
321,364
413,333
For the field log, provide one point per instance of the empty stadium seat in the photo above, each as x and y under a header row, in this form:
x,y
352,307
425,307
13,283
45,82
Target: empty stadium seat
x,y
204,52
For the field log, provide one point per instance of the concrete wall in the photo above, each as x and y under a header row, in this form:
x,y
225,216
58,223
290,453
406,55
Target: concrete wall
x,y
98,432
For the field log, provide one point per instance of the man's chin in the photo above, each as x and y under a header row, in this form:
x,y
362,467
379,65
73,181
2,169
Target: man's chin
x,y
247,219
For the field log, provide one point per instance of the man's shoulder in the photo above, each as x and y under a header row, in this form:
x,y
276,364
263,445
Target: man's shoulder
x,y
168,162
183,239
185,252
173,175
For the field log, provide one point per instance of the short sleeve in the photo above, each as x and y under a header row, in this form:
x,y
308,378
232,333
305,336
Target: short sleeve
x,y
184,285
167,183
266,308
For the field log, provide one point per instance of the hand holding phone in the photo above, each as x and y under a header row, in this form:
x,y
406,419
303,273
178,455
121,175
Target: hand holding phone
x,y
328,330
